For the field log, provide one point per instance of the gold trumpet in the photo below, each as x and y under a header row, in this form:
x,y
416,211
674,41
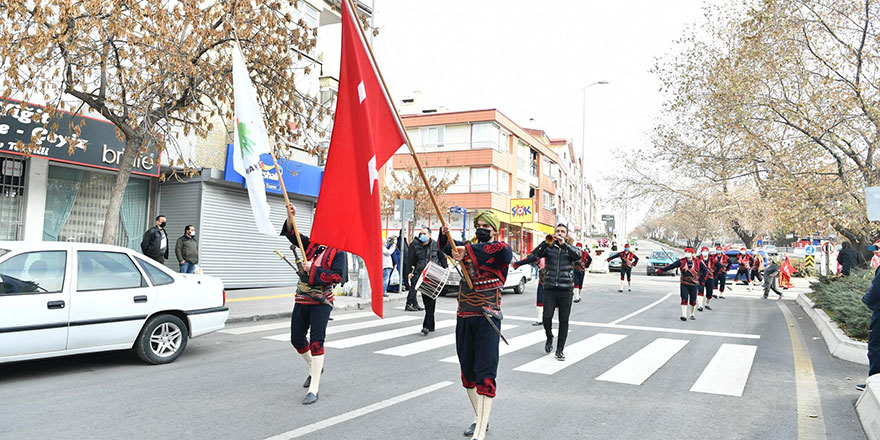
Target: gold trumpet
x,y
550,239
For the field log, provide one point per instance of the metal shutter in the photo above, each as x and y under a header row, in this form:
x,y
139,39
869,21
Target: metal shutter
x,y
230,247
179,203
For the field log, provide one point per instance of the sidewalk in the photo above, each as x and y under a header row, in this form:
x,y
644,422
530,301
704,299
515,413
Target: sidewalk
x,y
249,305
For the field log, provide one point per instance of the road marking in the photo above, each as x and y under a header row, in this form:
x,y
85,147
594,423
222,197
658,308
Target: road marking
x,y
422,346
573,354
811,422
618,321
369,338
326,423
286,324
728,371
255,298
333,329
637,368
517,343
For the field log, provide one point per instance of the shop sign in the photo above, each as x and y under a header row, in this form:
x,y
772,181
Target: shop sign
x,y
97,145
299,178
522,210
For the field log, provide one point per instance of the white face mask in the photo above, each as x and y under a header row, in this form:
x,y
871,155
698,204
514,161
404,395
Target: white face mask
x,y
688,255
705,253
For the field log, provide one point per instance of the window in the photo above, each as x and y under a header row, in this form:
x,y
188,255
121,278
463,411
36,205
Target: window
x,y
503,182
106,271
533,162
549,200
463,184
546,167
523,153
432,136
156,276
485,135
503,141
33,272
12,176
480,179
307,13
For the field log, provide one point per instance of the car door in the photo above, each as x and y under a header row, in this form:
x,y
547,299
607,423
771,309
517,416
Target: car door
x,y
110,301
34,303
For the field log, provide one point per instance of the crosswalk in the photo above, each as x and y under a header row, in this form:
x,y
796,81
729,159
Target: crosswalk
x,y
726,373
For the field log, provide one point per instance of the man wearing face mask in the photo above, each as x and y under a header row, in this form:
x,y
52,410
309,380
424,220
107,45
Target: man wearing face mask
x,y
692,271
628,260
155,242
479,310
724,263
707,282
580,269
187,250
744,268
559,259
420,252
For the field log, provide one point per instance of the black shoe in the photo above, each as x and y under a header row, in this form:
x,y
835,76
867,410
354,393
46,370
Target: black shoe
x,y
548,347
537,323
692,318
425,331
620,290
410,308
560,356
419,308
707,307
699,309
470,431
683,318
308,381
765,296
721,297
861,386
577,300
310,399
330,318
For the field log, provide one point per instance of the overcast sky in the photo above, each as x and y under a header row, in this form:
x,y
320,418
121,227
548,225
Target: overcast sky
x,y
530,59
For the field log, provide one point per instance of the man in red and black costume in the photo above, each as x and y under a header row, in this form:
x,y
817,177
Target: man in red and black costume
x,y
580,269
707,282
723,265
692,271
323,267
744,268
628,260
476,341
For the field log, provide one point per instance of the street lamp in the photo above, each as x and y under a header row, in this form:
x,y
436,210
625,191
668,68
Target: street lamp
x,y
584,144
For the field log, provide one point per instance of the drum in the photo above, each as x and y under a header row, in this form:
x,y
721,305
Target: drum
x,y
433,280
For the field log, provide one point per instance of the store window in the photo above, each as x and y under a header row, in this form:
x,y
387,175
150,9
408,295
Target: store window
x,y
12,174
76,203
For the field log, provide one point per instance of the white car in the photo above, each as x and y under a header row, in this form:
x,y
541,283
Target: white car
x,y
516,279
59,298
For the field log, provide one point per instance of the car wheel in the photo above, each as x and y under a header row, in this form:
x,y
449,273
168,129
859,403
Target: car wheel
x,y
521,287
162,340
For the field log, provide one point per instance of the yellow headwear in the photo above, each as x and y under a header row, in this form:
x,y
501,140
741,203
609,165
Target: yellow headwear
x,y
490,218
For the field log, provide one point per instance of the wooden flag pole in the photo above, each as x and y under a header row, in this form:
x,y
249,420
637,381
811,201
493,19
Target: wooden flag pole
x,y
412,151
290,217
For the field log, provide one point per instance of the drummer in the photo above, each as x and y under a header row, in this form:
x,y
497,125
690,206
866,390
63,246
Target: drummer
x,y
476,341
420,253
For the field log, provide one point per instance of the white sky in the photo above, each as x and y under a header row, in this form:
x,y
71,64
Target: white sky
x,y
530,59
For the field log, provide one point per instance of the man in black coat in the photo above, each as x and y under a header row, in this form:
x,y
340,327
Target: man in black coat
x,y
422,250
559,259
872,300
155,242
848,258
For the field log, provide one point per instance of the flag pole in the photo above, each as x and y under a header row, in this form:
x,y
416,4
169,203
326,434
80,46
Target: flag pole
x,y
290,217
412,151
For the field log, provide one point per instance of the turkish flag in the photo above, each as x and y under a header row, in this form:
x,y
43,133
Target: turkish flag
x,y
366,132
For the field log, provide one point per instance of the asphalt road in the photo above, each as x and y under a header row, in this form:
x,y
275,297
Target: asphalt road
x,y
730,374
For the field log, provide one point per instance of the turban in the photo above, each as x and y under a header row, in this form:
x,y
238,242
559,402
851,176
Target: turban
x,y
490,218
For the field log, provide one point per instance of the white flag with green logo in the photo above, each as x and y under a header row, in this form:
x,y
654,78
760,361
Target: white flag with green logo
x,y
251,140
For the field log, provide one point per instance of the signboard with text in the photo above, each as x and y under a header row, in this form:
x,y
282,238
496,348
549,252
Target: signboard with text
x,y
96,146
522,210
299,178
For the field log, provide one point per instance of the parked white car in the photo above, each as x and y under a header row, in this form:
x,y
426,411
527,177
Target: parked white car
x,y
516,279
59,298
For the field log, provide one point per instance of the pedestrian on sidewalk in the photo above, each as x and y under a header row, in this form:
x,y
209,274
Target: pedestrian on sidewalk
x,y
628,260
322,269
872,300
154,243
187,250
421,252
849,258
692,271
558,284
479,314
771,272
387,264
580,269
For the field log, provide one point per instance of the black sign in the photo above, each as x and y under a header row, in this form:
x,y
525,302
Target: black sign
x,y
97,145
607,217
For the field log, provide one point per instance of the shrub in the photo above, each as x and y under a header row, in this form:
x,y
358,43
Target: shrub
x,y
841,298
800,268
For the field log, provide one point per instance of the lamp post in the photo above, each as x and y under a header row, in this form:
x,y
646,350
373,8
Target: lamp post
x,y
583,138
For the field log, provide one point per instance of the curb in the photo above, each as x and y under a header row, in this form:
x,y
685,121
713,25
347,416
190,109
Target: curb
x,y
838,343
868,408
357,305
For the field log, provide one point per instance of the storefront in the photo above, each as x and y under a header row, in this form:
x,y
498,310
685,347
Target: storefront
x,y
56,195
230,247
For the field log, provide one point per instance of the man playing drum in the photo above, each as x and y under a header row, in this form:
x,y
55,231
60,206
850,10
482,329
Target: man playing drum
x,y
479,314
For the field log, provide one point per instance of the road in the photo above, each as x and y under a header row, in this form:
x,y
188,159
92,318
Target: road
x,y
633,371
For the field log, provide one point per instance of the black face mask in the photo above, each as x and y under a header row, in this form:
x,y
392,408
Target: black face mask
x,y
162,225
483,235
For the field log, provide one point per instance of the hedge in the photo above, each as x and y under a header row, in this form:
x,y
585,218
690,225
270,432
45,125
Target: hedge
x,y
841,298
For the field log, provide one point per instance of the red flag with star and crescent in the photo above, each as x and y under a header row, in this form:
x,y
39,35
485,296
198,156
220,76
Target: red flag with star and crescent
x,y
366,133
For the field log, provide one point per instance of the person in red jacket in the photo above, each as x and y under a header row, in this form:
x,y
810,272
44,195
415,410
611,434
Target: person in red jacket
x,y
744,268
692,271
721,270
707,282
628,260
580,269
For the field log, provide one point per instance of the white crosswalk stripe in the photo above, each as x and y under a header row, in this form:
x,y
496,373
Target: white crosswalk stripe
x,y
728,371
573,354
334,329
384,336
286,324
423,345
517,343
637,368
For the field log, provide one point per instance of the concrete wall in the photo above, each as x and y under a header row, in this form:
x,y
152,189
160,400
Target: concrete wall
x,y
35,199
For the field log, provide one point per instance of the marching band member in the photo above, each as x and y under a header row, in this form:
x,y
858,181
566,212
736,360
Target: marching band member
x,y
540,291
323,268
692,271
580,269
707,282
757,266
628,260
479,314
721,270
744,266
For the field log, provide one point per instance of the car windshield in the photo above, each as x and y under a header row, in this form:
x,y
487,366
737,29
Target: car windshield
x,y
662,255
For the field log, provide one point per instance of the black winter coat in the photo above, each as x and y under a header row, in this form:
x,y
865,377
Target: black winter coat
x,y
558,264
418,255
152,240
